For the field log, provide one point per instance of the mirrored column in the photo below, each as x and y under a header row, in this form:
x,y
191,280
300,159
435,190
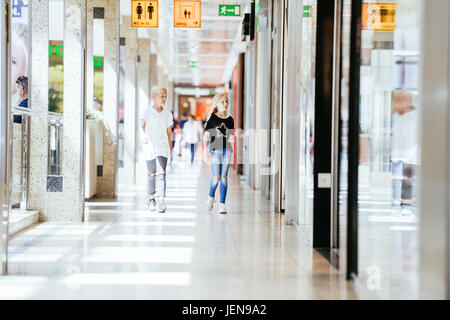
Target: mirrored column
x,y
107,183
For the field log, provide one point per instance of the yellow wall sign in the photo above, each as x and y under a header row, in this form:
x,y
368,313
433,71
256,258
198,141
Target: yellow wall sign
x,y
144,14
379,16
187,14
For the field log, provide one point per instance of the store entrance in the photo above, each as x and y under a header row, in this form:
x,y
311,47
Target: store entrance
x,y
381,142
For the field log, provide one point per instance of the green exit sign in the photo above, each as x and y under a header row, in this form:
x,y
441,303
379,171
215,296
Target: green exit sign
x,y
307,11
229,10
192,64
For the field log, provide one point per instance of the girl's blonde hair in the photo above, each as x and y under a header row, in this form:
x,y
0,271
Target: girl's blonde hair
x,y
215,103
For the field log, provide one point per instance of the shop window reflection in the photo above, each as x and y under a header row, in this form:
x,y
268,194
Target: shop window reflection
x,y
122,78
389,147
308,65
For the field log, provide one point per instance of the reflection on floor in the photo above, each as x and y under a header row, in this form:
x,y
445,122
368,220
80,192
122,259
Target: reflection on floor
x,y
388,247
125,252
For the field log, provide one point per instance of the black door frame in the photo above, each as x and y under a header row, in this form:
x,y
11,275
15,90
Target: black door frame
x,y
323,106
353,141
323,135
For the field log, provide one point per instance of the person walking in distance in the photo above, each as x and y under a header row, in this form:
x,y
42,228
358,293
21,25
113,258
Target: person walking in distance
x,y
218,141
156,134
192,132
404,151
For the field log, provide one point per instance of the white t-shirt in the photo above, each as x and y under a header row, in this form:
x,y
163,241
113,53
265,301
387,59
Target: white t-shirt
x,y
404,142
191,131
156,124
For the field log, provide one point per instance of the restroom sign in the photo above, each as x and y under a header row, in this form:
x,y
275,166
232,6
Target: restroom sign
x,y
187,14
144,14
379,16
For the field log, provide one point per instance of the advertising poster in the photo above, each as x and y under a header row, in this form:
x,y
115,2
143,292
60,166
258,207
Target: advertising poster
x,y
19,45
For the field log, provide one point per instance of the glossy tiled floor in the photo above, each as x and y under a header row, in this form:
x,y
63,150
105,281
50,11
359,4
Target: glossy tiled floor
x,y
125,252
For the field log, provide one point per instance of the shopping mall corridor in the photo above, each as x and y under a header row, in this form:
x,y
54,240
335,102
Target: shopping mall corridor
x,y
123,251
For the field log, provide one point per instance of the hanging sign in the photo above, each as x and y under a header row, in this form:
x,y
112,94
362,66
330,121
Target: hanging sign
x,y
144,14
187,14
230,10
307,11
378,16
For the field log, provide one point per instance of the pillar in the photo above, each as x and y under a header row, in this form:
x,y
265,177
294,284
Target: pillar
x,y
67,203
434,186
107,183
38,197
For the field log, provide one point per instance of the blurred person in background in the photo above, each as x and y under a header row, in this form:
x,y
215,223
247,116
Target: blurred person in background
x,y
175,132
191,132
404,151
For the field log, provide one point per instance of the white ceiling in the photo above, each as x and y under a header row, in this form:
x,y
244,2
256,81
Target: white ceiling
x,y
215,45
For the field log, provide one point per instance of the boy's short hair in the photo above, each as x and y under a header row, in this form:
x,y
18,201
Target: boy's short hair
x,y
157,90
402,93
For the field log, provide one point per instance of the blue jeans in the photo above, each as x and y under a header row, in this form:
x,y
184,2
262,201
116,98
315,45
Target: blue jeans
x,y
192,147
173,146
220,162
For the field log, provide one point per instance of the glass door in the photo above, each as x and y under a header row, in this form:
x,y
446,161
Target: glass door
x,y
388,216
307,114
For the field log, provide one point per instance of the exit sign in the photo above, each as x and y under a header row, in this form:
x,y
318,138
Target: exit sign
x,y
307,11
229,10
192,64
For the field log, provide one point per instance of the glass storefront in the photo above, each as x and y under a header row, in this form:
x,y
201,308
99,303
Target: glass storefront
x,y
306,157
389,148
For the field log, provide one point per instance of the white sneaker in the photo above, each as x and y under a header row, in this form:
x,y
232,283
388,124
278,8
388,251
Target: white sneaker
x,y
222,208
162,206
151,205
210,203
406,210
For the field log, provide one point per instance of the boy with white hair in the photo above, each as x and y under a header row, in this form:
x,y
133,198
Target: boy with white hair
x,y
156,135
